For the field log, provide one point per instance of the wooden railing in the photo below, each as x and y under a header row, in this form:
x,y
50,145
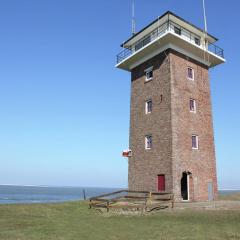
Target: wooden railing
x,y
127,199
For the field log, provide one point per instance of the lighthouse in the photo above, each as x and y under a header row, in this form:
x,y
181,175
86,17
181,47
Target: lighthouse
x,y
171,130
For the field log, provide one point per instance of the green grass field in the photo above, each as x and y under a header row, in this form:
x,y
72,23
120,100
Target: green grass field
x,y
231,197
75,221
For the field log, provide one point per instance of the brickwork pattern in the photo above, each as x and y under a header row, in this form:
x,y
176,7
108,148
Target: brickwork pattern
x,y
201,163
145,165
171,125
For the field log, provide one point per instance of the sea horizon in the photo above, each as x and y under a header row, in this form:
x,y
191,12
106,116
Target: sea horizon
x,y
69,186
60,186
27,194
30,194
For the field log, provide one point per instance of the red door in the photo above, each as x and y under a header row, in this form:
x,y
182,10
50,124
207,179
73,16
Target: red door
x,y
161,183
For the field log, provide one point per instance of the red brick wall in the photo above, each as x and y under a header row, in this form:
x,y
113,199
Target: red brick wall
x,y
171,125
146,165
201,162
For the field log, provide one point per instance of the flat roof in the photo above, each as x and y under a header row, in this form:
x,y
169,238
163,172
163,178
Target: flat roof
x,y
166,13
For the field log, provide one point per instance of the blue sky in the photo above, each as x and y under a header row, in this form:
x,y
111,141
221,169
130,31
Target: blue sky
x,y
64,108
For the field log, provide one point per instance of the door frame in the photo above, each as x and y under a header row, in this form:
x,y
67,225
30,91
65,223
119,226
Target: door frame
x,y
188,187
164,180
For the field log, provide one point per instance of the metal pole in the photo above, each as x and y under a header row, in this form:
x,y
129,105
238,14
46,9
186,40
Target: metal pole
x,y
133,18
205,30
84,194
205,17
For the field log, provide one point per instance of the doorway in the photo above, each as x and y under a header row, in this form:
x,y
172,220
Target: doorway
x,y
185,186
161,183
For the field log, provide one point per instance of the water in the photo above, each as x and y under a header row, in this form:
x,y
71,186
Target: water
x,y
227,192
36,194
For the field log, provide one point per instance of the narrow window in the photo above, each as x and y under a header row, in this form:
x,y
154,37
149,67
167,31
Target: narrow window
x,y
197,41
194,142
192,104
146,40
190,73
148,142
138,46
177,30
148,106
161,183
149,74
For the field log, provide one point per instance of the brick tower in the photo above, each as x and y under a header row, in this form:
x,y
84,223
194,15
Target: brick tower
x,y
171,132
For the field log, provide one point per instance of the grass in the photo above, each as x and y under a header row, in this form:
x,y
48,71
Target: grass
x,y
232,197
75,221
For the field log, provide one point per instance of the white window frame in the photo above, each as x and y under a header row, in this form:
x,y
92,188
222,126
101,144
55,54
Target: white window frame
x,y
194,104
146,142
146,74
176,29
197,39
146,106
193,75
188,189
197,143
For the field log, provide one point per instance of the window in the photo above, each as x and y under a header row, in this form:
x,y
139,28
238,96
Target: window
x,y
194,142
190,73
146,40
177,30
148,142
149,74
138,46
148,106
143,43
197,41
192,104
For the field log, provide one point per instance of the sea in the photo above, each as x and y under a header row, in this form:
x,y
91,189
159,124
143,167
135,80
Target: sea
x,y
10,194
45,194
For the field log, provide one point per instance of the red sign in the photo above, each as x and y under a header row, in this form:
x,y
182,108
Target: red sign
x,y
127,153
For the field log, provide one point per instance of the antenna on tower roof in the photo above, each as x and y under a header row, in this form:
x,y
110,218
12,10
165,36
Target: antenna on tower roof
x,y
205,31
205,17
133,18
